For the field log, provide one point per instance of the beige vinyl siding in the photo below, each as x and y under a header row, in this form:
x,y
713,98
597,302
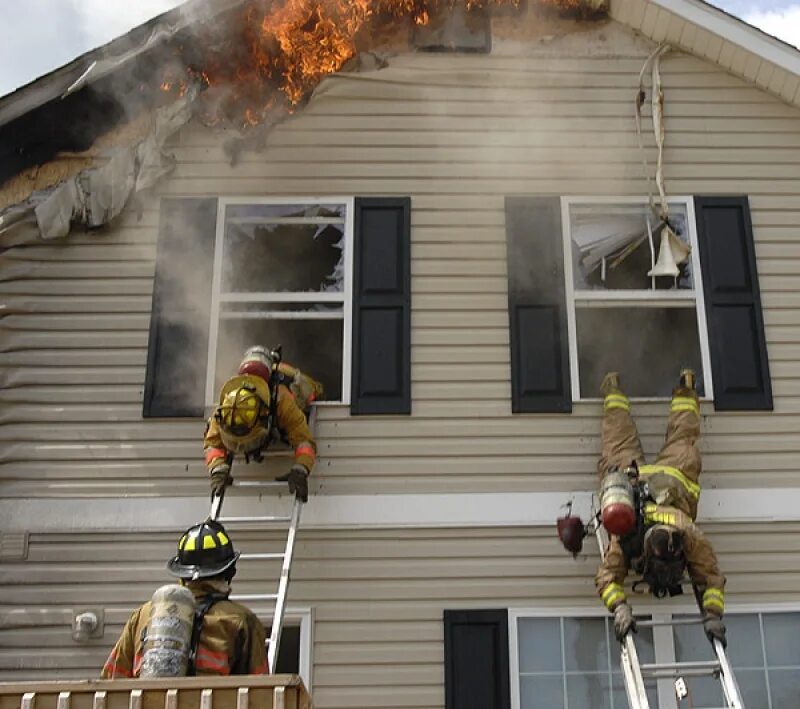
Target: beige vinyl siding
x,y
377,596
457,133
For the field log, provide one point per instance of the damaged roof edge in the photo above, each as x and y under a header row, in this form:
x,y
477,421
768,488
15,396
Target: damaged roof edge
x,y
101,61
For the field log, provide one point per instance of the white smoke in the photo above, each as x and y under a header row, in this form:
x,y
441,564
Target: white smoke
x,y
104,20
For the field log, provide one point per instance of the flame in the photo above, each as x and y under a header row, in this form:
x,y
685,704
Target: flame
x,y
280,50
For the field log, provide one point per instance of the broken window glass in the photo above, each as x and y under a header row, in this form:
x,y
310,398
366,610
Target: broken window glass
x,y
611,248
276,257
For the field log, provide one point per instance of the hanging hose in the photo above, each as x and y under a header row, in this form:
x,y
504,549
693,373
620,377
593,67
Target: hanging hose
x,y
653,63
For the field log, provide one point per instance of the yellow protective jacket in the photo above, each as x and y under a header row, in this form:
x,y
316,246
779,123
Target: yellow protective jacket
x,y
674,487
232,640
290,420
701,562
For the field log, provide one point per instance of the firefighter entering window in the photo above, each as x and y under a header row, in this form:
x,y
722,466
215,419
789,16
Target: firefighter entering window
x,y
192,628
268,399
649,510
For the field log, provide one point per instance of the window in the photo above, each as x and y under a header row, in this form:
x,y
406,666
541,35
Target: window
x,y
282,275
569,662
620,318
294,655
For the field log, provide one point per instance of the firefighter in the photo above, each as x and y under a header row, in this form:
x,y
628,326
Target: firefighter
x,y
227,637
252,406
666,540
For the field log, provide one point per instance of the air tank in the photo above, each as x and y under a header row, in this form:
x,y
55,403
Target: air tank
x,y
169,633
616,503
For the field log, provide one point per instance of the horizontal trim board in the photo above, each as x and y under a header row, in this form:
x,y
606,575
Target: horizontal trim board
x,y
515,509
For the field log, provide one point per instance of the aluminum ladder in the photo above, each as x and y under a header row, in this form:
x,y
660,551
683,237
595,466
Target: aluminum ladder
x,y
289,523
634,672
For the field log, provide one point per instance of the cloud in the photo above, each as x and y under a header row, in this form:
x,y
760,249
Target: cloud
x,y
103,20
783,24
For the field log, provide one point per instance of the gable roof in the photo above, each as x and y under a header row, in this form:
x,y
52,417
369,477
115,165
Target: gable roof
x,y
706,31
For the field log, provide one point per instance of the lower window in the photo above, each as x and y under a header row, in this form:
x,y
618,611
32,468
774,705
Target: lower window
x,y
572,662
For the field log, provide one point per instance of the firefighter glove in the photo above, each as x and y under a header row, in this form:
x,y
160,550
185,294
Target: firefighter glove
x,y
715,628
297,477
623,621
220,479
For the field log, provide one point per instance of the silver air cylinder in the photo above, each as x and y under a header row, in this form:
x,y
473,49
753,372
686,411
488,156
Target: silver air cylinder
x,y
169,633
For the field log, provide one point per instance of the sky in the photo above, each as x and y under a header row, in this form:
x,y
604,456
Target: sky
x,y
38,36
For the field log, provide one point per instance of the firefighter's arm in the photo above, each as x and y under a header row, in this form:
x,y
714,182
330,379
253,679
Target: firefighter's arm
x,y
252,658
704,570
292,421
119,664
217,457
611,575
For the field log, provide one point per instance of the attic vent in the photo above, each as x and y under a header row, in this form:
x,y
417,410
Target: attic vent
x,y
455,29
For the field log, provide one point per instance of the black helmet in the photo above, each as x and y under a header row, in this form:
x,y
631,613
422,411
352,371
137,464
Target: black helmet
x,y
204,550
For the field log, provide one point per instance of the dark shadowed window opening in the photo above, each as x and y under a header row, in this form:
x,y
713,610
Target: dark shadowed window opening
x,y
289,651
282,277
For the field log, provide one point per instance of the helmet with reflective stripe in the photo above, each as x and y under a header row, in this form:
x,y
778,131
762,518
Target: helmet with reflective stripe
x,y
204,550
259,361
243,413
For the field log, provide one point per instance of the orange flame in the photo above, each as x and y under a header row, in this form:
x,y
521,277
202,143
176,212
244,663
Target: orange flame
x,y
280,50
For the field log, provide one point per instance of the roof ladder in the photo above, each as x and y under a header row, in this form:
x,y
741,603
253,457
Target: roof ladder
x,y
634,672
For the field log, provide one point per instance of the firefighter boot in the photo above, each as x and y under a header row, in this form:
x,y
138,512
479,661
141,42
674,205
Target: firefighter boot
x,y
610,384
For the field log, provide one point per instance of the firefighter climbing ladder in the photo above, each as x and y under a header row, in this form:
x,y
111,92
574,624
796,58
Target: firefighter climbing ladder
x,y
290,523
634,672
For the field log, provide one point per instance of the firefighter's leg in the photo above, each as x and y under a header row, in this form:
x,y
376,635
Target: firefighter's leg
x,y
620,439
680,445
683,432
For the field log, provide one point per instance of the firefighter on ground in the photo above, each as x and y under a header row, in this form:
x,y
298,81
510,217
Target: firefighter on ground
x,y
221,638
265,397
665,541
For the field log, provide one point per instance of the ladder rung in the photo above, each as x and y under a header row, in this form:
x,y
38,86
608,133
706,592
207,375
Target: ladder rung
x,y
229,520
254,596
259,483
275,555
700,664
677,621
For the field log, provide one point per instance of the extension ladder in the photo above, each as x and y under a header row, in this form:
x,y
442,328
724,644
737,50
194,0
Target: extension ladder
x,y
270,522
634,672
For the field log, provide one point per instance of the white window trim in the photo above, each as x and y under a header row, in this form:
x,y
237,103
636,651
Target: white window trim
x,y
623,299
304,617
347,300
662,645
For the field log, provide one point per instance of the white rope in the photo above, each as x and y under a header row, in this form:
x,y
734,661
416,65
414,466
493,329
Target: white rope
x,y
653,63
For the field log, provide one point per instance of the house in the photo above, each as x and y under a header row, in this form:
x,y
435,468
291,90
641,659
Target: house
x,y
435,197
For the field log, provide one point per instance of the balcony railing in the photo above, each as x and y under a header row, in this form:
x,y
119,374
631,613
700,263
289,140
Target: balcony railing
x,y
237,692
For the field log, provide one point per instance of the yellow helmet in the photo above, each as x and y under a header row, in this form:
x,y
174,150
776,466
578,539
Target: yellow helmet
x,y
243,413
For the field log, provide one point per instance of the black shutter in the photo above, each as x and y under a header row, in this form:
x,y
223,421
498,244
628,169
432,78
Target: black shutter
x,y
382,307
537,306
733,305
476,660
179,320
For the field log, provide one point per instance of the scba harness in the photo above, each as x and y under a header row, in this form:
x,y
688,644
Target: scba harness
x,y
247,413
663,574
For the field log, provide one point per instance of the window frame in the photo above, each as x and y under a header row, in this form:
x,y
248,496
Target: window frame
x,y
303,617
633,298
663,639
267,297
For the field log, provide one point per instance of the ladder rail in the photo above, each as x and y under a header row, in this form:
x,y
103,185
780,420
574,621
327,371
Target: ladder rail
x,y
730,687
283,588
